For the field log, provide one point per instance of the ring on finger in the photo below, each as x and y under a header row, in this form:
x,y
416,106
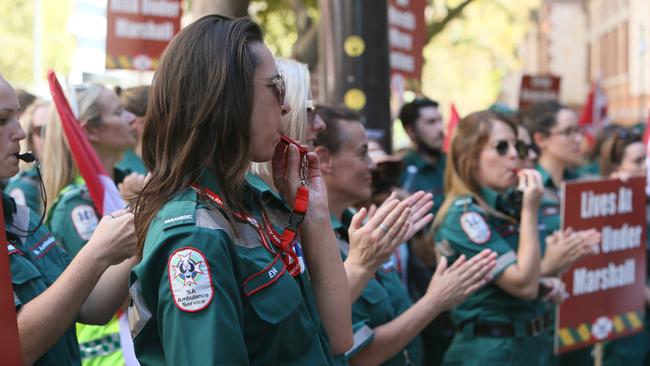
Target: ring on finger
x,y
384,227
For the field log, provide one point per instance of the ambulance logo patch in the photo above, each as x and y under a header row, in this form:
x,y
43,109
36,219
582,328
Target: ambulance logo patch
x,y
19,196
84,220
475,227
190,280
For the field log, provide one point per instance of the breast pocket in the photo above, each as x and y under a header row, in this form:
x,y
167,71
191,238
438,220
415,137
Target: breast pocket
x,y
272,292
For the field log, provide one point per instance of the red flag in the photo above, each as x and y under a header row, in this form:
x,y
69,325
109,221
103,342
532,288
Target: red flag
x,y
10,345
454,118
593,116
102,190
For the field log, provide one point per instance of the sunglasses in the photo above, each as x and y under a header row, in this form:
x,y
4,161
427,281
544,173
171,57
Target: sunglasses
x,y
278,84
503,146
629,134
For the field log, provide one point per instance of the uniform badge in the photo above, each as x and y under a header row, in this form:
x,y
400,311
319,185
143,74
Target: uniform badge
x,y
475,227
84,220
551,210
190,280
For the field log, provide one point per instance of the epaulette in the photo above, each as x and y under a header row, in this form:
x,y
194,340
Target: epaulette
x,y
180,211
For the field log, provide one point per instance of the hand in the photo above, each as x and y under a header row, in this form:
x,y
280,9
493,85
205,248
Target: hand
x,y
286,166
556,289
450,286
622,176
370,244
131,186
565,248
420,204
114,238
530,182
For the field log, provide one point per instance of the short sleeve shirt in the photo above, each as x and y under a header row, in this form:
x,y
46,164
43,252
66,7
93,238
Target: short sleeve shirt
x,y
24,188
73,219
467,229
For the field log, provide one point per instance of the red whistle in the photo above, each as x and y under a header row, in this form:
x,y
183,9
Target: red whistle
x,y
287,141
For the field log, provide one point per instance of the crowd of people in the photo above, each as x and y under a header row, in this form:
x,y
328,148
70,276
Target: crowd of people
x,y
264,228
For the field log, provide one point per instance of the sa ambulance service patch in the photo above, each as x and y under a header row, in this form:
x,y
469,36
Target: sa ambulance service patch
x,y
475,227
190,280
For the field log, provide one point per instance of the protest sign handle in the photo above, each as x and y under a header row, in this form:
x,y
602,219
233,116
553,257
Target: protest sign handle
x,y
598,354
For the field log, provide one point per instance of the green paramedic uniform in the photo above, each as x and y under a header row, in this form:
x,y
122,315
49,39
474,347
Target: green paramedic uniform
x,y
132,162
549,217
25,188
493,327
36,261
420,175
73,220
202,295
383,299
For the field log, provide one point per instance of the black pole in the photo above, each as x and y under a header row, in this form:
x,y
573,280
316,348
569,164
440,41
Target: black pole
x,y
354,62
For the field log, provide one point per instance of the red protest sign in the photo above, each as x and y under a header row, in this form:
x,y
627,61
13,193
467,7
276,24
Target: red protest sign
x,y
406,36
606,289
138,32
538,88
10,345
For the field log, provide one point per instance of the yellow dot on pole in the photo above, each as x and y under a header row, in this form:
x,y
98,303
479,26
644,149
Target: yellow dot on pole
x,y
355,99
354,46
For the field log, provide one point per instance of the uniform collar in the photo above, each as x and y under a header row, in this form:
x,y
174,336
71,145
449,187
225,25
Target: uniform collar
x,y
491,197
208,179
414,158
547,180
257,183
9,208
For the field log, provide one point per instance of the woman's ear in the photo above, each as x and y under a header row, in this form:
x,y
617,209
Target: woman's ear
x,y
325,159
91,132
540,140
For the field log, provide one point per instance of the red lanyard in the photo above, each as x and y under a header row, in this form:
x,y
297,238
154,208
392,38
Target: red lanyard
x,y
284,242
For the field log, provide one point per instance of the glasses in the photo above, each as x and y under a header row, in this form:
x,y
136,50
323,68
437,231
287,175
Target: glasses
x,y
567,132
503,146
629,134
278,84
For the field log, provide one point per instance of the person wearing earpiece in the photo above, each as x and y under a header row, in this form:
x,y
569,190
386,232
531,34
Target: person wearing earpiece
x,y
50,290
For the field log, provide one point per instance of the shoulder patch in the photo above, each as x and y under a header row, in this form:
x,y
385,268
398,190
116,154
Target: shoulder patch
x,y
475,227
190,280
84,220
463,201
550,210
19,196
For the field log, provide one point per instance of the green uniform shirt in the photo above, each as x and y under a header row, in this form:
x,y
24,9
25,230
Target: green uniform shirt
x,y
420,175
468,230
383,299
36,262
205,296
132,162
73,218
549,215
25,188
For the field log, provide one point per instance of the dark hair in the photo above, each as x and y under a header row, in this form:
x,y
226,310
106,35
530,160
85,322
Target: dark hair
x,y
541,117
601,137
410,112
330,137
135,99
613,148
199,114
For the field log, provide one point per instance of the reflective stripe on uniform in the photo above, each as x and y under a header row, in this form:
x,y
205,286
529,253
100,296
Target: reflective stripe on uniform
x,y
362,337
504,261
139,314
100,347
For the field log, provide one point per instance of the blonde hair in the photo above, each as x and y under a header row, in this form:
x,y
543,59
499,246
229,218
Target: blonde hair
x,y
294,123
26,122
59,168
468,140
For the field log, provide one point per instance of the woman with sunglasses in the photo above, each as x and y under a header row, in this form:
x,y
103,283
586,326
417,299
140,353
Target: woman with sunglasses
x,y
500,324
214,286
555,133
623,155
25,187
